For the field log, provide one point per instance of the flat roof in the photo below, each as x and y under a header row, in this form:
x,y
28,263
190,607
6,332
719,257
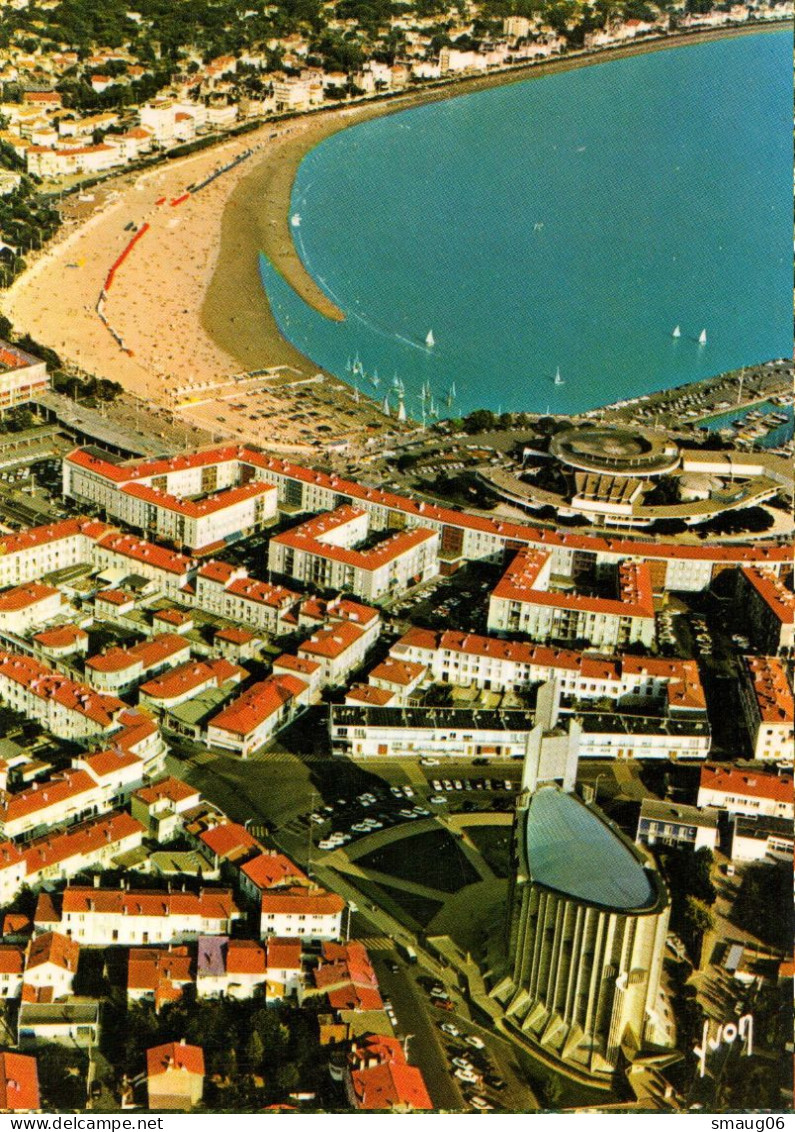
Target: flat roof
x,y
571,850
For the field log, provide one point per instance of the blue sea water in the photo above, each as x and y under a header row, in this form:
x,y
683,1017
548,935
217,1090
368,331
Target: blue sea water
x,y
569,221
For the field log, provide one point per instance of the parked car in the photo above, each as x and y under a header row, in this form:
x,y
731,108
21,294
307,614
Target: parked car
x,y
474,1040
450,1028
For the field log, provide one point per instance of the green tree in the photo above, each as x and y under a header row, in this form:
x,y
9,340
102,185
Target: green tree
x,y
255,1052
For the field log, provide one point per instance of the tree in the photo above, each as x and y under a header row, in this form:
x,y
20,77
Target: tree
x,y
255,1052
482,420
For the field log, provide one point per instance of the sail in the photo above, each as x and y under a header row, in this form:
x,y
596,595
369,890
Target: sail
x,y
677,333
430,340
401,415
558,378
702,338
385,406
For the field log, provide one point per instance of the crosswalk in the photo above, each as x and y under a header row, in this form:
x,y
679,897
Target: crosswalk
x,y
378,943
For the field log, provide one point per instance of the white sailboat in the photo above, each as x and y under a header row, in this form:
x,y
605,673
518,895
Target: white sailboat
x,y
296,220
558,379
429,339
385,406
401,413
676,332
702,338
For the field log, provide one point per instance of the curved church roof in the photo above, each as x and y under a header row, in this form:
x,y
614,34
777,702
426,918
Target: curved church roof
x,y
572,851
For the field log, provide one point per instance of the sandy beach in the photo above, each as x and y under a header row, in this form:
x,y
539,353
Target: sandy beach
x,y
187,303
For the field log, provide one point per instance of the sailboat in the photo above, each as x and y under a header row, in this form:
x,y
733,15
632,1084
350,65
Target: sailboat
x,y
702,338
676,332
451,396
429,339
375,379
396,383
296,220
401,413
385,406
433,412
558,379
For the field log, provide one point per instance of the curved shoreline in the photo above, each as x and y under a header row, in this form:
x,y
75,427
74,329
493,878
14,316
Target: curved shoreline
x,y
246,224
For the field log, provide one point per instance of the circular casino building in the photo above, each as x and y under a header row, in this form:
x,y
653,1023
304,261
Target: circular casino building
x,y
587,925
615,451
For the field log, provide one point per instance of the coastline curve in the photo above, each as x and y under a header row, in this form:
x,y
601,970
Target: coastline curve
x,y
256,217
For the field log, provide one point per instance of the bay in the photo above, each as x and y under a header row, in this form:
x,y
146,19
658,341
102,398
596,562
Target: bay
x,y
566,222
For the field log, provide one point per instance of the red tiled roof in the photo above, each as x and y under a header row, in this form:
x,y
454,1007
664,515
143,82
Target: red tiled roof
x,y
309,537
81,841
21,597
444,516
283,954
59,789
235,636
183,679
106,764
277,597
257,704
19,1083
343,609
773,592
271,869
174,1055
149,967
170,789
245,957
302,901
173,616
52,947
390,1086
61,637
148,552
12,960
333,641
635,590
296,664
403,672
10,854
681,676
367,694
49,685
209,904
147,654
15,923
229,840
116,597
748,784
771,688
195,509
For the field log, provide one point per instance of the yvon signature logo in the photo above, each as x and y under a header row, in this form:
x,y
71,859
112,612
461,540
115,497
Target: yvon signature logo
x,y
726,1035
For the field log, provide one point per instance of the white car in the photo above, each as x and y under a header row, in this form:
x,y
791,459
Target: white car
x,y
458,784
481,1104
327,843
466,1075
474,1041
409,793
436,784
437,799
429,762
360,827
450,1029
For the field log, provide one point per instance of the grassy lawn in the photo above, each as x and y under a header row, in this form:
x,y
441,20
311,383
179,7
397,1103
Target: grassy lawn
x,y
432,858
494,845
